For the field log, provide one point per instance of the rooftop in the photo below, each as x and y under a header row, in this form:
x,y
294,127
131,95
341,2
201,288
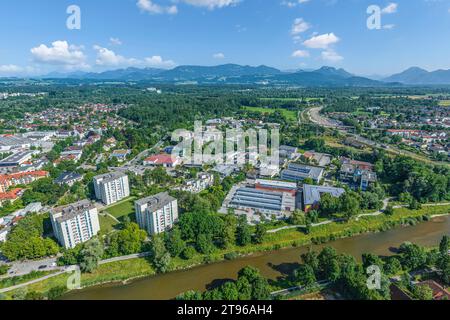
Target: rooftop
x,y
72,210
161,159
157,201
312,194
111,176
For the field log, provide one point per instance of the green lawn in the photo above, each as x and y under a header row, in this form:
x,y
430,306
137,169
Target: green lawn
x,y
444,103
107,224
288,114
122,209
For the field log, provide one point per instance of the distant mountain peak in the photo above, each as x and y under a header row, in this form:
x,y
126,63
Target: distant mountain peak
x,y
419,76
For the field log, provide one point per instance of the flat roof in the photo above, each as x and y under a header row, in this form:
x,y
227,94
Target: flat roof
x,y
111,176
254,198
157,201
16,157
72,210
312,194
276,183
8,141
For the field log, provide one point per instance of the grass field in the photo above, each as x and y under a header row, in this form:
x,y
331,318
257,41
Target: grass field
x,y
107,224
444,103
122,209
288,114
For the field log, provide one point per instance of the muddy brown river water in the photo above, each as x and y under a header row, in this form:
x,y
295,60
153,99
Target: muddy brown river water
x,y
272,264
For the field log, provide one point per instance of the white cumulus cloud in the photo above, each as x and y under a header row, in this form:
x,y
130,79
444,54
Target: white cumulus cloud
x,y
300,54
322,41
211,4
108,58
331,56
299,26
154,8
59,53
115,41
219,55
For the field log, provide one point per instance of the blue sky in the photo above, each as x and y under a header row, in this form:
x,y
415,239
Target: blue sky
x,y
287,34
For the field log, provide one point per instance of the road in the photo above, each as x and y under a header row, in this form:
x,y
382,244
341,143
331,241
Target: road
x,y
61,270
314,116
26,267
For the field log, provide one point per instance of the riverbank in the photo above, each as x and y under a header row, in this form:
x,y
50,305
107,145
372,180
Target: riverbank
x,y
124,271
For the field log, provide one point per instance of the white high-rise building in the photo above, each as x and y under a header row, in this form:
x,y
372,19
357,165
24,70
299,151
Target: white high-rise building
x,y
111,187
75,223
157,214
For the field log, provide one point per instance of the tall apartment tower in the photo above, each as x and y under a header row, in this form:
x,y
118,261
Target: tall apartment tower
x,y
75,223
157,214
111,187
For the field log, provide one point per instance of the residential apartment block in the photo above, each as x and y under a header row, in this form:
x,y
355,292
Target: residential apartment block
x,y
111,187
21,178
75,223
157,213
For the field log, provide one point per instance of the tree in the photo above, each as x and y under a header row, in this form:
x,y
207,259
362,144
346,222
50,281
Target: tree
x,y
190,296
243,234
260,233
349,204
159,255
244,288
310,258
392,266
188,252
261,289
4,269
423,292
127,241
204,244
389,211
90,255
229,291
228,237
174,243
305,276
55,292
444,245
370,259
328,264
413,257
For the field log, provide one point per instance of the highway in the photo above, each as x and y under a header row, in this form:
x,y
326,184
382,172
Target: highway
x,y
314,116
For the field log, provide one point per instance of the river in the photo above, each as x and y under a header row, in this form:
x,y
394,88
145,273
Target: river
x,y
271,264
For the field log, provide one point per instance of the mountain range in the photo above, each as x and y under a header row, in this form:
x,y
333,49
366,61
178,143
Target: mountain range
x,y
418,76
238,74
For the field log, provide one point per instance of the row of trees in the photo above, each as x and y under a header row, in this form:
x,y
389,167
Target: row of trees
x,y
250,285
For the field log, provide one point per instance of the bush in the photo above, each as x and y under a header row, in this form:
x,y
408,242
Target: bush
x,y
56,292
188,253
4,269
231,256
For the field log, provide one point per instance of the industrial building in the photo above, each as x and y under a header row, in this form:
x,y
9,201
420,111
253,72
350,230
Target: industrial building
x,y
300,172
312,195
266,202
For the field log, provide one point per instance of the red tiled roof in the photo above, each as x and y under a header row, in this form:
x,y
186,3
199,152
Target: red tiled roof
x,y
160,159
439,293
10,195
37,174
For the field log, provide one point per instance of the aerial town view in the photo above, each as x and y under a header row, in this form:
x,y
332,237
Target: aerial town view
x,y
225,150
